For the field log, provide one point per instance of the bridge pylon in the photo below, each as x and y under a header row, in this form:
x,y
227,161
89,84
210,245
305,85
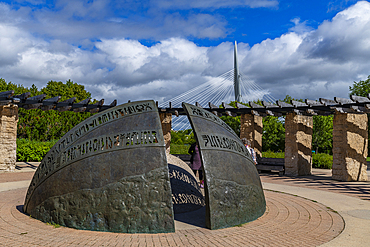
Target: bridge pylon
x,y
237,90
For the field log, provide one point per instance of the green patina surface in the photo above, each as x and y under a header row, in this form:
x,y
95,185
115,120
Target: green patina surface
x,y
133,204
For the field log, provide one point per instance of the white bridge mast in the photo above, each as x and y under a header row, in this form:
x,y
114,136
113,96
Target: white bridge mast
x,y
237,91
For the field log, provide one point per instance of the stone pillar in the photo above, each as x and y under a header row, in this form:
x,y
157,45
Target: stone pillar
x,y
8,137
166,120
298,145
251,127
350,138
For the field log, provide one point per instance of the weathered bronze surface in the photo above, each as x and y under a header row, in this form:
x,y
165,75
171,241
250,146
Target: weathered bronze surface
x,y
109,173
233,188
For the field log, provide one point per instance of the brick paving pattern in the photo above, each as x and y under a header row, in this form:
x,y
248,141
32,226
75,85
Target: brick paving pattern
x,y
289,221
321,180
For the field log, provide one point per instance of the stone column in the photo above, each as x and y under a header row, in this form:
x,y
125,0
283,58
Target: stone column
x,y
8,137
251,127
350,138
166,120
298,145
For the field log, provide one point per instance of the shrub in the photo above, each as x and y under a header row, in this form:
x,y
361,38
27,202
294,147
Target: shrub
x,y
320,160
28,150
179,149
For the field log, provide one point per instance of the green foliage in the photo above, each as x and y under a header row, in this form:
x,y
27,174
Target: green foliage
x,y
323,161
320,160
18,89
361,88
65,90
233,122
181,137
53,224
48,125
270,154
179,148
28,150
322,137
288,99
273,137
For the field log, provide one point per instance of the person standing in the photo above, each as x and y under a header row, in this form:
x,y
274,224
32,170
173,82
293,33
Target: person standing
x,y
196,163
247,144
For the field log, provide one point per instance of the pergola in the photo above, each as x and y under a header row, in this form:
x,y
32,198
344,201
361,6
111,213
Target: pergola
x,y
350,131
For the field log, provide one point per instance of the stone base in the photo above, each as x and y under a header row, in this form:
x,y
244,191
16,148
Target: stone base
x,y
298,144
251,127
350,138
8,137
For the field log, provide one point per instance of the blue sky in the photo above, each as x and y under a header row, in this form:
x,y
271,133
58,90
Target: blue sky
x,y
158,49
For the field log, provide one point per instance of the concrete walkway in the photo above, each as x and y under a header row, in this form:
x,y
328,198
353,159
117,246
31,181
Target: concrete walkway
x,y
303,211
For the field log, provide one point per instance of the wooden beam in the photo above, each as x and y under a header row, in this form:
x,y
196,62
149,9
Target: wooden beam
x,y
254,105
198,105
327,102
282,104
343,101
95,109
269,105
298,104
212,106
6,95
311,103
22,96
226,106
359,99
241,106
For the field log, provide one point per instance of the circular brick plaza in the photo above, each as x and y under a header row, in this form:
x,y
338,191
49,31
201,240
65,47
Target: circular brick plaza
x,y
288,221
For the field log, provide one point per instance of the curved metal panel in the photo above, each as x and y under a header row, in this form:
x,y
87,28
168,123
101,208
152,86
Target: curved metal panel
x,y
186,193
109,173
233,190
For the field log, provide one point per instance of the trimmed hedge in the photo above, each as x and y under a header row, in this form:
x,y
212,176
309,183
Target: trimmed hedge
x,y
28,150
320,160
323,161
271,154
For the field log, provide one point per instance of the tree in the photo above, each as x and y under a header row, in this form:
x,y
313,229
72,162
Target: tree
x,y
361,88
18,89
322,137
48,125
273,137
233,122
66,91
182,137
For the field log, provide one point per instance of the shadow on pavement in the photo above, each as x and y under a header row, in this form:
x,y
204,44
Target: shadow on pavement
x,y
195,218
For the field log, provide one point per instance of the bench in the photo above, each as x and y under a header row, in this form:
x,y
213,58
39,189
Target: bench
x,y
271,164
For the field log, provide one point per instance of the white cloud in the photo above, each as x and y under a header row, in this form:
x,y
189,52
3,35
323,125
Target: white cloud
x,y
330,57
74,21
214,4
302,63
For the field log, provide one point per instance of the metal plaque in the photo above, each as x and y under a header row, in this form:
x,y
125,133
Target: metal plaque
x,y
233,189
109,173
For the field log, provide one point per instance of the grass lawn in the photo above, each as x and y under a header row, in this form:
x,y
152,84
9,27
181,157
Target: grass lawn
x,y
179,149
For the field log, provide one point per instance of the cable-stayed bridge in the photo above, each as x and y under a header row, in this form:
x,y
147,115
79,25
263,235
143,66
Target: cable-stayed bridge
x,y
227,87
